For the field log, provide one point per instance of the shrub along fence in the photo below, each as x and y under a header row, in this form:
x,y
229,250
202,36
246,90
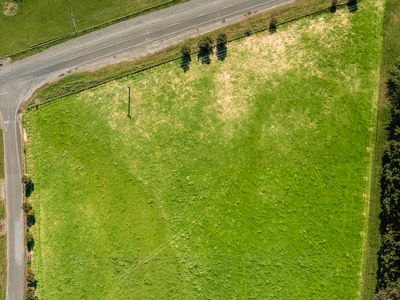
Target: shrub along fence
x,y
261,22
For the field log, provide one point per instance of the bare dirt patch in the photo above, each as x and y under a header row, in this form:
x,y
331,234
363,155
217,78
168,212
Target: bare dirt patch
x,y
10,9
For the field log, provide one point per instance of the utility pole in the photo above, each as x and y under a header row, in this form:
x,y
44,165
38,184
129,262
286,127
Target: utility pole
x,y
129,102
72,16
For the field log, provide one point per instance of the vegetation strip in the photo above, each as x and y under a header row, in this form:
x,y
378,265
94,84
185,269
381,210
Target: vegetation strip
x,y
390,52
79,82
30,219
388,273
389,254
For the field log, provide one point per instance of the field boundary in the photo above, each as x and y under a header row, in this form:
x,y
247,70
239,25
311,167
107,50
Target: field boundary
x,y
390,51
259,23
371,211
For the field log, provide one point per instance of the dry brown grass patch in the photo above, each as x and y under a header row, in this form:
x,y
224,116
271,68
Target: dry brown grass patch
x,y
10,9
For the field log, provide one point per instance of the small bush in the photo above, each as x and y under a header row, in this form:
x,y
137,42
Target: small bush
x,y
222,39
30,218
30,294
30,242
206,44
29,186
273,24
30,279
185,50
26,179
27,207
205,49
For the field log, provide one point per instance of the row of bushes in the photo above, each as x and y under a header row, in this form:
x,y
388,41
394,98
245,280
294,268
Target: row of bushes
x,y
206,45
205,50
31,282
388,284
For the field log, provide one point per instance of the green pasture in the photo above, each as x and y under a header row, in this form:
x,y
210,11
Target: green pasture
x,y
242,179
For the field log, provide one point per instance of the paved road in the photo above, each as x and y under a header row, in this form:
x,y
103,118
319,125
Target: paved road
x,y
129,39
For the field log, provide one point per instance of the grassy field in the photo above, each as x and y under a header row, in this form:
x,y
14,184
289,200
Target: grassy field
x,y
390,53
103,10
244,179
39,20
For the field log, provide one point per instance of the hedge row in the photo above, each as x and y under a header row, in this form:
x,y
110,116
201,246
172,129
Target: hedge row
x,y
388,284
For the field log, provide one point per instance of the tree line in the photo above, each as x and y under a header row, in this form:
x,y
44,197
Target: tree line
x,y
388,277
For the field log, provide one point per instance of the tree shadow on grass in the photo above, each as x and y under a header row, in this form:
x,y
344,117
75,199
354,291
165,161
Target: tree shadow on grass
x,y
222,52
333,7
29,188
273,25
30,219
185,62
204,56
30,242
352,6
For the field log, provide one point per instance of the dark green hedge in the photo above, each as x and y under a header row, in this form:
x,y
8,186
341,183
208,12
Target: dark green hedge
x,y
389,254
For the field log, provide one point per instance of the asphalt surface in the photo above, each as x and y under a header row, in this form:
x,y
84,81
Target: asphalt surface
x,y
126,40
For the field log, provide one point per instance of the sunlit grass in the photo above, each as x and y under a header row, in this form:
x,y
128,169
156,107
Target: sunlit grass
x,y
242,179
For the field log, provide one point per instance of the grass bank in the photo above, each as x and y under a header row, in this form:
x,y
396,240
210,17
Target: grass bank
x,y
245,178
390,53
